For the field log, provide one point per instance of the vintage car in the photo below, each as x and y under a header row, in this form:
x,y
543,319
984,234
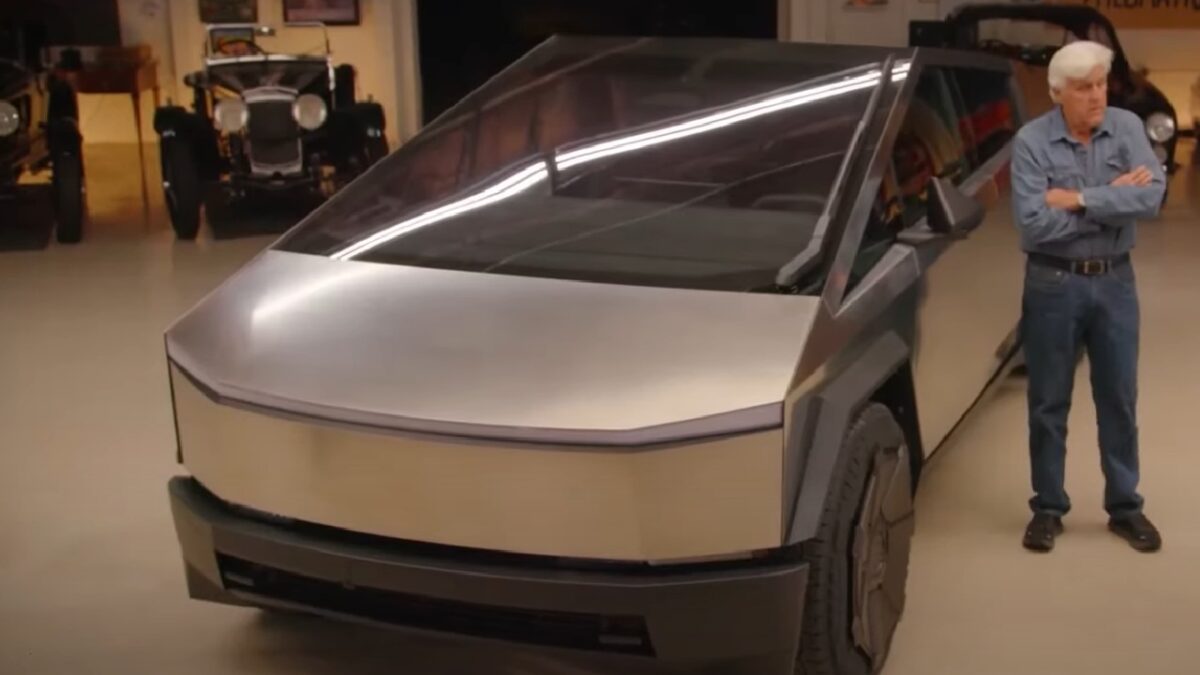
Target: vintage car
x,y
39,127
1030,34
639,349
263,122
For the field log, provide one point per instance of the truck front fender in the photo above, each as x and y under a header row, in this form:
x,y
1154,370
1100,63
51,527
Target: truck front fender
x,y
835,407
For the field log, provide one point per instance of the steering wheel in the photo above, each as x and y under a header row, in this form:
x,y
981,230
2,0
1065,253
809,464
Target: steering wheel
x,y
250,46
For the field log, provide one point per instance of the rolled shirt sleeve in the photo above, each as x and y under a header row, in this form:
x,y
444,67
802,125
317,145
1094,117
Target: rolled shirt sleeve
x,y
1040,224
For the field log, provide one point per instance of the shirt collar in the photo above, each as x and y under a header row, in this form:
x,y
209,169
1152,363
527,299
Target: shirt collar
x,y
1059,132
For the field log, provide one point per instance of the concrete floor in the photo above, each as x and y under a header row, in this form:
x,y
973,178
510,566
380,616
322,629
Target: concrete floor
x,y
90,580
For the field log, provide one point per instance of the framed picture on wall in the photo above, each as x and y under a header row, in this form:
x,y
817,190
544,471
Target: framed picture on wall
x,y
228,11
330,12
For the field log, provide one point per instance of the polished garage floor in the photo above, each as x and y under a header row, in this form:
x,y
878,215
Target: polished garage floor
x,y
90,581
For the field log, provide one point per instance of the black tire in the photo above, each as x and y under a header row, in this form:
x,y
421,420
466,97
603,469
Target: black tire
x,y
181,188
344,77
858,563
66,184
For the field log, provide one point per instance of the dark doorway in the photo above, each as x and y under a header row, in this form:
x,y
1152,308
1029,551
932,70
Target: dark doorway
x,y
464,43
67,22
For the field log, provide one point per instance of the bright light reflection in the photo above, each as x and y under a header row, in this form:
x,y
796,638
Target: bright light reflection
x,y
532,175
515,184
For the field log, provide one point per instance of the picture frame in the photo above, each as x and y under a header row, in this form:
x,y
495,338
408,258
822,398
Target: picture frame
x,y
228,11
328,12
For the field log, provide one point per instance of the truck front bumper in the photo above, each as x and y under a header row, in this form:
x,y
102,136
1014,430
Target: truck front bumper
x,y
681,614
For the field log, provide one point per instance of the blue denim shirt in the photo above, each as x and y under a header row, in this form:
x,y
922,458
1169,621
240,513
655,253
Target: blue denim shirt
x,y
1046,156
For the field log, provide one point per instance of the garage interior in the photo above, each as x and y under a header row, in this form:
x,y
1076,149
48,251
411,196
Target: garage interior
x,y
90,579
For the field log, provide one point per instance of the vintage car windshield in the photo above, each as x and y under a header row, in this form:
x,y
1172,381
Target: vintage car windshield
x,y
677,163
240,58
1035,33
238,76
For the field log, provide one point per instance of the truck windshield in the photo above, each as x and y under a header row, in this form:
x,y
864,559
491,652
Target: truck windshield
x,y
675,163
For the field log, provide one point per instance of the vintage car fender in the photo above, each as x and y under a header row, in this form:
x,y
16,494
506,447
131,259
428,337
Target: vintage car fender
x,y
353,127
176,122
367,116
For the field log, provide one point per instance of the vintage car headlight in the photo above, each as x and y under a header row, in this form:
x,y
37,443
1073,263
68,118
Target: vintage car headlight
x,y
10,119
1160,127
231,115
310,111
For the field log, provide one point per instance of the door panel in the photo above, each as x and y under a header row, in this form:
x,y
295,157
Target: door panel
x,y
970,302
970,294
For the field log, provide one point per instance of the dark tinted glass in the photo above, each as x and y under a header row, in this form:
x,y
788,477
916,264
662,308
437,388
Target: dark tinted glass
x,y
930,143
700,164
1020,36
990,118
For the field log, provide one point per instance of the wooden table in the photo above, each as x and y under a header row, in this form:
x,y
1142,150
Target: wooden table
x,y
122,70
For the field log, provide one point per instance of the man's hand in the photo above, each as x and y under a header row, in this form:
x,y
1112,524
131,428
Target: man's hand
x,y
1067,200
1139,177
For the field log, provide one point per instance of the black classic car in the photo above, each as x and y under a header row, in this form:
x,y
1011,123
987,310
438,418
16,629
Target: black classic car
x,y
263,122
1031,34
39,126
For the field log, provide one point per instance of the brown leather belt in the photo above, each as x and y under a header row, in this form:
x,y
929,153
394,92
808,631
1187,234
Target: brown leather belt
x,y
1088,268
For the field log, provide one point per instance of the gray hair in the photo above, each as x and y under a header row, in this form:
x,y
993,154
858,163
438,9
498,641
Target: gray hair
x,y
1075,62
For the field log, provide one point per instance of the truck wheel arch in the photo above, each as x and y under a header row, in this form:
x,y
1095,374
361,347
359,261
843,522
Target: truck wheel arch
x,y
882,374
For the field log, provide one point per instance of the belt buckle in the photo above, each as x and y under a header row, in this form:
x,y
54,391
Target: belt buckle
x,y
1091,268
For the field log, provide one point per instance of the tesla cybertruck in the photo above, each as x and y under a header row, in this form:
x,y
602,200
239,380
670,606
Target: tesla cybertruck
x,y
638,349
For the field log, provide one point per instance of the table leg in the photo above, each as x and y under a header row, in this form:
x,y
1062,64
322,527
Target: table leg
x,y
137,121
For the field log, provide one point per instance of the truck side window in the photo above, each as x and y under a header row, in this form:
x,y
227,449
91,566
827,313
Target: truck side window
x,y
883,225
930,143
990,117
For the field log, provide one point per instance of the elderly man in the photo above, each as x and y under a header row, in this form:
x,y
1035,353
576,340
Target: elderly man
x,y
1082,175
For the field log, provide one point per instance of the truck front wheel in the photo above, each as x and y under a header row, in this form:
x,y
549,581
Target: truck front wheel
x,y
858,563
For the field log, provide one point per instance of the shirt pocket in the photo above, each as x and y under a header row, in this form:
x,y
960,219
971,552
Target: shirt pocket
x,y
1112,167
1065,174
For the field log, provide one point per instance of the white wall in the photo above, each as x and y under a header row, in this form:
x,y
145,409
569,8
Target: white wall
x,y
1173,57
407,69
836,21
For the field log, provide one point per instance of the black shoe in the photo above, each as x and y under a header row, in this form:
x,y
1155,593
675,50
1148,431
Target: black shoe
x,y
1042,530
1138,531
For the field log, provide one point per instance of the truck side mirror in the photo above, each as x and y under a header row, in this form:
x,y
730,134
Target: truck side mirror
x,y
950,211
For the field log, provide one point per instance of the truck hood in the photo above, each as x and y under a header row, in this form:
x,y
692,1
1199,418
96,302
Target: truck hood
x,y
492,356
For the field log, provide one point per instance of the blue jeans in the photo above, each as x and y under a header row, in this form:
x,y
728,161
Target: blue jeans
x,y
1063,313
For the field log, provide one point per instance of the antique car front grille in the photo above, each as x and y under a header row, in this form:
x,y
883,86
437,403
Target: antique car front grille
x,y
571,630
273,137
